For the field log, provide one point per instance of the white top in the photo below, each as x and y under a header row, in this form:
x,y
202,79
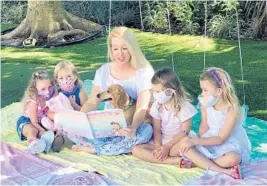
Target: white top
x,y
171,124
133,86
238,140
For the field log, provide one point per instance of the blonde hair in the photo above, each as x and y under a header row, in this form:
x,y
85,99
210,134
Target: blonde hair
x,y
67,65
31,91
138,60
168,79
221,79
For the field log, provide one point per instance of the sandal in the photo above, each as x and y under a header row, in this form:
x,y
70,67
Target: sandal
x,y
185,164
235,172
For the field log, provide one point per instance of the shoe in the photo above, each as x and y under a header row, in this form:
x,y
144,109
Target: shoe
x,y
57,143
35,147
185,164
48,137
235,172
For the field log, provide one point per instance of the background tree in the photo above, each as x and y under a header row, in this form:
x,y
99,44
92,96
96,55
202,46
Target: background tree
x,y
49,23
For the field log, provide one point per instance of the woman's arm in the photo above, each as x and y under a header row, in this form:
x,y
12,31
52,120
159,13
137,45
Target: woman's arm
x,y
224,133
157,133
140,113
142,103
93,102
203,125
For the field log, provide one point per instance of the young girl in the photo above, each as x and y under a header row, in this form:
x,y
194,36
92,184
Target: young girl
x,y
172,115
67,79
40,89
221,135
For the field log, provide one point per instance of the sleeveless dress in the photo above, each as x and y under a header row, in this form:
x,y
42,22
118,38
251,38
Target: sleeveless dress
x,y
237,142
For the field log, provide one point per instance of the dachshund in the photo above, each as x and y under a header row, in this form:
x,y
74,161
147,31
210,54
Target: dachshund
x,y
116,95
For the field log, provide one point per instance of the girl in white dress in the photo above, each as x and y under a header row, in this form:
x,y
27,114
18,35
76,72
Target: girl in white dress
x,y
222,138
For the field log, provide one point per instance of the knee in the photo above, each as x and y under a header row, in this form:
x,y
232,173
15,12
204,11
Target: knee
x,y
136,150
145,132
234,160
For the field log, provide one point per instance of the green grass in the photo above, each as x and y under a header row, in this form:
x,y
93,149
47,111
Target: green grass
x,y
158,48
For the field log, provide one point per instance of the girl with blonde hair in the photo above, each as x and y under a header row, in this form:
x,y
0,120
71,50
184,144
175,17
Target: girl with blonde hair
x,y
68,82
223,142
40,89
130,69
172,116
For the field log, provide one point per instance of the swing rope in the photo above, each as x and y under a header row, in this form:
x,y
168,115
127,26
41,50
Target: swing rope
x,y
240,56
170,31
205,36
109,25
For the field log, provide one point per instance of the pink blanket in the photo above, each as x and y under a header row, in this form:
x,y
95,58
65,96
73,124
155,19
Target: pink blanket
x,y
253,174
18,168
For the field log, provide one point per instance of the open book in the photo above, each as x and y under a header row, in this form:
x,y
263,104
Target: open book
x,y
94,124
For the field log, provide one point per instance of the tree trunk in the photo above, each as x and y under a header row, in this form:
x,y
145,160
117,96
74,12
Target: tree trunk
x,y
49,23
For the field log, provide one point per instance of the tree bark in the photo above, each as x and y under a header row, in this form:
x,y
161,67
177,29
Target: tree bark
x,y
49,23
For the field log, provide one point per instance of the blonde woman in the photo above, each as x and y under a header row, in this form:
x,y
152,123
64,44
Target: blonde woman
x,y
222,137
68,81
130,69
172,116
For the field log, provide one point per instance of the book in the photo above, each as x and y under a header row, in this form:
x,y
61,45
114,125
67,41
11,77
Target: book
x,y
105,123
94,124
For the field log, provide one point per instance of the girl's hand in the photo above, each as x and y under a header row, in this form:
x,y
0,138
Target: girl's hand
x,y
128,131
186,145
72,101
161,153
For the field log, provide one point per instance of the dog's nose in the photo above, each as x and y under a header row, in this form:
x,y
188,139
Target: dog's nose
x,y
98,95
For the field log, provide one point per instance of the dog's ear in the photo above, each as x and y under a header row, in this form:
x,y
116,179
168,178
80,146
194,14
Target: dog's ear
x,y
122,99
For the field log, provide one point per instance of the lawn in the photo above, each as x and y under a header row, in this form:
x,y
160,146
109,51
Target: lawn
x,y
17,64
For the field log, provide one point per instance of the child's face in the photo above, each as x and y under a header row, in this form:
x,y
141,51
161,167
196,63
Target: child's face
x,y
119,50
44,88
65,74
208,89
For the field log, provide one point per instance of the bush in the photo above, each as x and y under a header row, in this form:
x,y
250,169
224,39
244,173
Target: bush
x,y
13,12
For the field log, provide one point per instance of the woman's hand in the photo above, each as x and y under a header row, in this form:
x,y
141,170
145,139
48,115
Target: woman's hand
x,y
186,145
128,131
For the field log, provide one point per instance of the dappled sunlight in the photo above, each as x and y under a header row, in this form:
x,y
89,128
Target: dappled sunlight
x,y
239,81
261,148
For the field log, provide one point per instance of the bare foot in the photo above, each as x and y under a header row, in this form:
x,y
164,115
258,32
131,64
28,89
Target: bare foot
x,y
83,148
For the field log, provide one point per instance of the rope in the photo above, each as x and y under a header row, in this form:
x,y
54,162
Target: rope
x,y
241,59
109,24
205,36
141,17
170,31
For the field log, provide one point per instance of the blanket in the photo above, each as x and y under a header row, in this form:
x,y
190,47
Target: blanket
x,y
124,169
18,168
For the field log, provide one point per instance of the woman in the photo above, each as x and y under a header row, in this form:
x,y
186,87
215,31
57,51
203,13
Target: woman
x,y
130,69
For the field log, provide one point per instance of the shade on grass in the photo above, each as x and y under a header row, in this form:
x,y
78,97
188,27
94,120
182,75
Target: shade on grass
x,y
188,61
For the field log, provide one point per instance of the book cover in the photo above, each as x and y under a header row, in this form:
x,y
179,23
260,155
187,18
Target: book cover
x,y
105,123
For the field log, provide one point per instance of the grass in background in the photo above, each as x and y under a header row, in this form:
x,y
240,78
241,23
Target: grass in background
x,y
158,48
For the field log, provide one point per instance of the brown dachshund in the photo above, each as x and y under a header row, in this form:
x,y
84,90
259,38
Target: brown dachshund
x,y
120,99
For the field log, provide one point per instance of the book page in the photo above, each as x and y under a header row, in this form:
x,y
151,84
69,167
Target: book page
x,y
105,123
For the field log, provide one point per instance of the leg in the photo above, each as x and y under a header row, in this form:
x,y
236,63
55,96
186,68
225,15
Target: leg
x,y
144,152
30,132
201,161
228,160
83,148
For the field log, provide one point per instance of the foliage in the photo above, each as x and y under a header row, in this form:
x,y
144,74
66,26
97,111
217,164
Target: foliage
x,y
13,12
186,17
